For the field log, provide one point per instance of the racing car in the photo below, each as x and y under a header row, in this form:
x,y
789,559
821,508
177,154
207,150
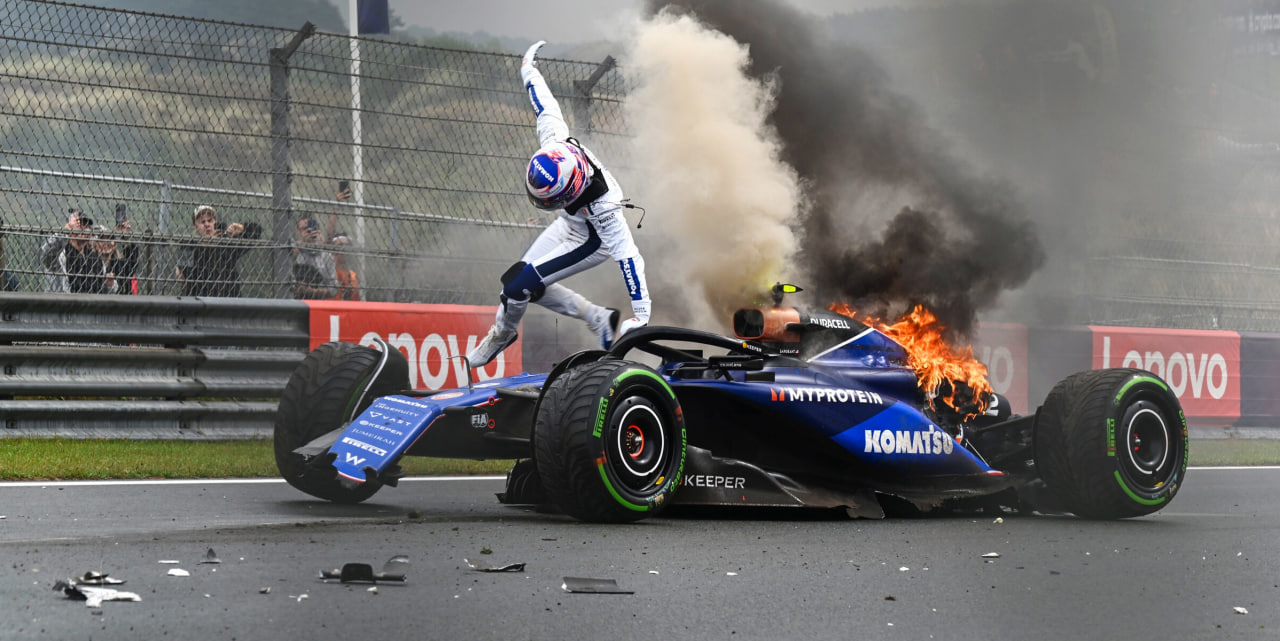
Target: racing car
x,y
798,409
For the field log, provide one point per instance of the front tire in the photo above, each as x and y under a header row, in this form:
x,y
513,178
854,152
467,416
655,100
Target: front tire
x,y
1111,444
610,442
333,384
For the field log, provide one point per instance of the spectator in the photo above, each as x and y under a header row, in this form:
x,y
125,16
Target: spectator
x,y
126,257
105,248
348,280
209,266
313,269
73,265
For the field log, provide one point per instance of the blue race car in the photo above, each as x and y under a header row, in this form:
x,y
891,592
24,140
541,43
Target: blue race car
x,y
797,410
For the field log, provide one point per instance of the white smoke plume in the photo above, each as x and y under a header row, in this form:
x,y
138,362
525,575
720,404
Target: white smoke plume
x,y
707,166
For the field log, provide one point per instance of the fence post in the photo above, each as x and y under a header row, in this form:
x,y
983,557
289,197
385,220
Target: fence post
x,y
281,166
164,263
583,89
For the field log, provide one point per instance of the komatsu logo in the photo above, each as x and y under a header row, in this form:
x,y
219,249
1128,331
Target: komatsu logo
x,y
908,442
629,276
825,395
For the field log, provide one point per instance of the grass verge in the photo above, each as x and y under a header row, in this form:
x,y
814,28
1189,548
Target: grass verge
x,y
91,459
76,459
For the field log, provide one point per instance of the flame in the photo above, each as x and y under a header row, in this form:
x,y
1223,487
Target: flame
x,y
934,360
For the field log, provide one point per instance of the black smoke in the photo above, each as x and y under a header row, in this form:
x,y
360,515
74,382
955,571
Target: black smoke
x,y
955,244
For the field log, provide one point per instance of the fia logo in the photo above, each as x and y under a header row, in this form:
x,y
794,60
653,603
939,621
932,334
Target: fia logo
x,y
481,421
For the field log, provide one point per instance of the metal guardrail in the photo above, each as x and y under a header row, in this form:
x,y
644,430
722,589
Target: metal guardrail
x,y
145,366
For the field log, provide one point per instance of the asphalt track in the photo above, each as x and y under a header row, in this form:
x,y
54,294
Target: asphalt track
x,y
1179,574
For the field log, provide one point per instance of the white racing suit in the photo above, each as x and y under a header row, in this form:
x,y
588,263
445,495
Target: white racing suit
x,y
574,242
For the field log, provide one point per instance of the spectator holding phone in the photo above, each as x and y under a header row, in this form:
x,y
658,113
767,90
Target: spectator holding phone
x,y
73,265
210,265
343,195
313,268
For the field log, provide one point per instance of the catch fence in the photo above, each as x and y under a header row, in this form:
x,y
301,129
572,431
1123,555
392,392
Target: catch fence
x,y
103,108
158,115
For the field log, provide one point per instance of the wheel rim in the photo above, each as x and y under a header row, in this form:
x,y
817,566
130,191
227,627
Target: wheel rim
x,y
1148,443
637,445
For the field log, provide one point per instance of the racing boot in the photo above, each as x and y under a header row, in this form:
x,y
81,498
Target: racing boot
x,y
501,335
603,321
490,346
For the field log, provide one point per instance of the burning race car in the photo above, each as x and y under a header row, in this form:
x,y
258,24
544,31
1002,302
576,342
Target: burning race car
x,y
799,409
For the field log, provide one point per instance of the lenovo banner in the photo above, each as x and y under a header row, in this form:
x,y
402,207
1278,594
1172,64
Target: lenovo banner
x,y
1202,366
433,338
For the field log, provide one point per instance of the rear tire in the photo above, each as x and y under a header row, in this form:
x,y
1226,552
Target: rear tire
x,y
610,442
334,383
1111,444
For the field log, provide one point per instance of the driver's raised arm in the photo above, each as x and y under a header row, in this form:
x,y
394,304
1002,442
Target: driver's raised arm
x,y
551,124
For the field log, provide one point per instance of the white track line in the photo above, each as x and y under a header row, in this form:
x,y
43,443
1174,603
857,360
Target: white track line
x,y
216,481
403,480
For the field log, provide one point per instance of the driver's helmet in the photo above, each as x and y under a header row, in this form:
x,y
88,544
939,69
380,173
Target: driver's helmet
x,y
558,174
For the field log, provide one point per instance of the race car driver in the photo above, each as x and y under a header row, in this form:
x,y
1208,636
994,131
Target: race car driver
x,y
563,175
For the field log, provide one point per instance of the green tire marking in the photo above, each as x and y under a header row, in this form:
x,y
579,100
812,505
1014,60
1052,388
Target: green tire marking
x,y
646,372
1149,379
600,468
618,497
1135,497
1119,395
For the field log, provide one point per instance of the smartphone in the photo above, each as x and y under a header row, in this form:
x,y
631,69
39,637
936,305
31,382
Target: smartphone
x,y
344,185
121,214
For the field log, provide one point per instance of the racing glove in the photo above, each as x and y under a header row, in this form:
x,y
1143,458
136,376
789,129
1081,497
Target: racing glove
x,y
641,310
527,63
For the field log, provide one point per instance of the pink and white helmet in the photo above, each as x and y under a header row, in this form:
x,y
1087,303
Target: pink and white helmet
x,y
558,174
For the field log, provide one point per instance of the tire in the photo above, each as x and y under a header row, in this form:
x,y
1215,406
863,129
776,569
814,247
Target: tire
x,y
1111,444
610,442
524,487
334,383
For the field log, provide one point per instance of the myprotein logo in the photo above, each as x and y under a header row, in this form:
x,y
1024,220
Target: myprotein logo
x,y
1202,367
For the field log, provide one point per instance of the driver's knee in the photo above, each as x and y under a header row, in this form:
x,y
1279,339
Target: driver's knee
x,y
522,282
